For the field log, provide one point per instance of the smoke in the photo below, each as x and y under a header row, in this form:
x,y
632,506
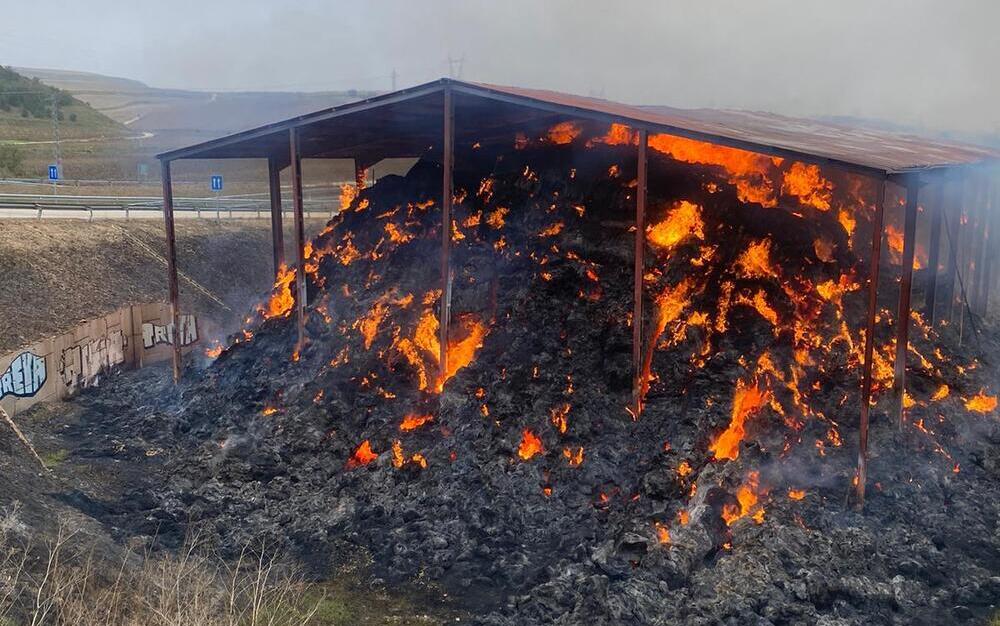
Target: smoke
x,y
915,62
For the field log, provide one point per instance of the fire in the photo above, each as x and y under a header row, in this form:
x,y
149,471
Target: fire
x,y
669,306
981,403
894,237
747,496
414,421
684,469
748,171
213,352
805,182
681,222
941,393
564,133
552,230
348,193
271,410
755,262
796,494
368,325
462,351
496,218
530,445
847,222
573,457
282,301
423,350
558,416
399,457
662,533
747,400
363,455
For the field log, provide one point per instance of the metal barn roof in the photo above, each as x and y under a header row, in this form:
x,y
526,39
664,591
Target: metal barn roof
x,y
408,122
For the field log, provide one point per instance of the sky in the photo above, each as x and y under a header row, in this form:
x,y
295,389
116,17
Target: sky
x,y
924,63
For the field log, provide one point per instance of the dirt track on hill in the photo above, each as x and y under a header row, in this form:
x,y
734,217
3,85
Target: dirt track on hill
x,y
57,273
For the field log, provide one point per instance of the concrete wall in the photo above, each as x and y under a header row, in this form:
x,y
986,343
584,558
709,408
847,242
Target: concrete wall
x,y
58,367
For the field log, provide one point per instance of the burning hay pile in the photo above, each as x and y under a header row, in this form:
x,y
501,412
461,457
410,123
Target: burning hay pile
x,y
524,478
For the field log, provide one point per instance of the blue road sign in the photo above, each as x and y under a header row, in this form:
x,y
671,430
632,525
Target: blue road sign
x,y
53,172
216,182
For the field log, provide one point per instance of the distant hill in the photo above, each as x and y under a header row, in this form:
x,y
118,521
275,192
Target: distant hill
x,y
27,129
180,117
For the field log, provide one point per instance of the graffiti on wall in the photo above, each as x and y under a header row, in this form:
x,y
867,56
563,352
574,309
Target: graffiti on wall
x,y
156,334
81,365
24,377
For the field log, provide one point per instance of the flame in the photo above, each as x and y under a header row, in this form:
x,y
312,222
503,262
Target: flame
x,y
363,455
805,183
796,494
552,230
941,393
747,495
748,171
755,262
981,403
213,352
496,217
271,410
558,416
684,469
282,301
662,533
847,222
348,193
681,222
747,400
423,350
530,445
414,421
669,306
573,457
564,133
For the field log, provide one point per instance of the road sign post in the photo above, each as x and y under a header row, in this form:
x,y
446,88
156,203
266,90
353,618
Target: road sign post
x,y
216,185
54,176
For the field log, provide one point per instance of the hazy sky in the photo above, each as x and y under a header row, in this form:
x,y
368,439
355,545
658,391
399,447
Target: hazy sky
x,y
926,62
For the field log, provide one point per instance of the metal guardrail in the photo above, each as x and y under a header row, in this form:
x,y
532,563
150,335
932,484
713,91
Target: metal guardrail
x,y
71,206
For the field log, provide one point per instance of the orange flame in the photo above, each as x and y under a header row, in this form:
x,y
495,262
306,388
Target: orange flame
x,y
805,183
414,421
282,301
755,262
564,133
681,222
748,171
981,403
363,455
747,496
747,400
530,445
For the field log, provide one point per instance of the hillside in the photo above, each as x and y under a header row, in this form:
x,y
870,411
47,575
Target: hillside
x,y
27,131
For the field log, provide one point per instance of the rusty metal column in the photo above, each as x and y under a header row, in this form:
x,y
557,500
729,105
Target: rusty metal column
x,y
990,251
277,228
300,238
168,227
985,225
936,206
640,264
866,377
447,165
903,314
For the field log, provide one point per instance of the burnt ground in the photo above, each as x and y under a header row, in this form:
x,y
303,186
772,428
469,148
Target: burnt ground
x,y
609,520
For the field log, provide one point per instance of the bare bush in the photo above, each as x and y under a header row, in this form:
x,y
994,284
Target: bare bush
x,y
192,587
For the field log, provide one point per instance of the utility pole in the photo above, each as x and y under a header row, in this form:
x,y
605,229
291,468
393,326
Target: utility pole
x,y
55,136
455,66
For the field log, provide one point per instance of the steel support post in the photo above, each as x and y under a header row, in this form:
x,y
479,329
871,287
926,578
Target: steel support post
x,y
866,376
300,237
447,166
277,228
640,264
936,207
168,226
905,285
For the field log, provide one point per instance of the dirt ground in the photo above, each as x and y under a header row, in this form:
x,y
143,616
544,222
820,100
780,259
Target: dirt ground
x,y
55,274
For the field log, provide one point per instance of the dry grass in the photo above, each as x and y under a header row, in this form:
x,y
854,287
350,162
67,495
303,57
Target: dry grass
x,y
63,586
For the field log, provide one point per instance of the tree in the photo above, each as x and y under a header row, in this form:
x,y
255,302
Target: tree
x,y
11,161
